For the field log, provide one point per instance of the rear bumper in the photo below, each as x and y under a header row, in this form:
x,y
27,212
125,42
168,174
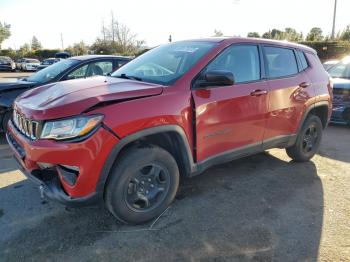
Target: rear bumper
x,y
44,162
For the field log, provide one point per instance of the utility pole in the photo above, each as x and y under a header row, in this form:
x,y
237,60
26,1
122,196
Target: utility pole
x,y
170,39
334,16
62,42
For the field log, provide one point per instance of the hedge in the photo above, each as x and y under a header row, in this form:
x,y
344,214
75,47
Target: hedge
x,y
328,50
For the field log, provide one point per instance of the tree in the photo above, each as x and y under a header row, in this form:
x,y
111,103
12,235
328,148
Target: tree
x,y
78,49
253,34
315,34
5,32
292,35
345,35
217,33
117,38
267,35
36,45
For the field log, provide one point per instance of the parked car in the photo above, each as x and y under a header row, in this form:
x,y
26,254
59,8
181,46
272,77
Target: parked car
x,y
49,61
340,74
7,64
30,64
19,63
72,68
174,111
329,64
62,55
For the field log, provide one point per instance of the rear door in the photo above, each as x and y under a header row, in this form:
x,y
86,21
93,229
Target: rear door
x,y
290,90
230,118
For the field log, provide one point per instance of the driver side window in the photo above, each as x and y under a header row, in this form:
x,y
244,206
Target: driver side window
x,y
78,73
242,60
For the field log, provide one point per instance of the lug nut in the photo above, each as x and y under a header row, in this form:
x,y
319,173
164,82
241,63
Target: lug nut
x,y
147,191
152,185
149,180
142,182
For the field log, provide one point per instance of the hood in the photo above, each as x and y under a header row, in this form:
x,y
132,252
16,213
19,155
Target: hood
x,y
73,97
341,83
17,84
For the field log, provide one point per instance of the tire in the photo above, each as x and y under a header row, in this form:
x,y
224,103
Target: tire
x,y
308,140
142,184
5,120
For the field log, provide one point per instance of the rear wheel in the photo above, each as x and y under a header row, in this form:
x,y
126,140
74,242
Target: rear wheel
x,y
142,184
308,140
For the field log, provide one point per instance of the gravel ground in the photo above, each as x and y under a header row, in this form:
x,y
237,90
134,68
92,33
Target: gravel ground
x,y
260,208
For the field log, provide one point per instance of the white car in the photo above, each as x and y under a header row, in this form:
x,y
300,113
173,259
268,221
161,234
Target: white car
x,y
30,64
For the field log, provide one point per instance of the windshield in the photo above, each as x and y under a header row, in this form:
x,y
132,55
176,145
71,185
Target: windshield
x,y
49,73
165,64
340,70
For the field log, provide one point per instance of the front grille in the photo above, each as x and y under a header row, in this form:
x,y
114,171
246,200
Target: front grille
x,y
29,128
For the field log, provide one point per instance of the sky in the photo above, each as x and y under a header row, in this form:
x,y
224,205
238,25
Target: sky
x,y
154,20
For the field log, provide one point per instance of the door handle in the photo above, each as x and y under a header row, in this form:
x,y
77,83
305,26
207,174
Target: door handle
x,y
258,92
304,84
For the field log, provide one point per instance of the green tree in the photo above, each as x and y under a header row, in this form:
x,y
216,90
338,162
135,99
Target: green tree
x,y
315,34
5,32
78,49
345,35
253,34
292,35
36,45
217,33
267,35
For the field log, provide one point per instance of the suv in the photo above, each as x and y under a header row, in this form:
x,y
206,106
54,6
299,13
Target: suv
x,y
126,139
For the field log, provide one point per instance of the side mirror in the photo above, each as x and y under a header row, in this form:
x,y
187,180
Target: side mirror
x,y
217,78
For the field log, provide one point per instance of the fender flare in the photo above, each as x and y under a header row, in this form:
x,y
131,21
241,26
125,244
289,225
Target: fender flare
x,y
309,109
185,149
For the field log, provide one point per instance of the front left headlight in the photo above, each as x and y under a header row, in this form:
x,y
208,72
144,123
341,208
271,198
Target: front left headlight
x,y
70,128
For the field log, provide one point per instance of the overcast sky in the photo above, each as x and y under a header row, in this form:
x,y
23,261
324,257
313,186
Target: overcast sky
x,y
154,20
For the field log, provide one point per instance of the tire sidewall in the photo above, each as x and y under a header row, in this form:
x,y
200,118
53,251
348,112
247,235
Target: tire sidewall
x,y
129,163
318,124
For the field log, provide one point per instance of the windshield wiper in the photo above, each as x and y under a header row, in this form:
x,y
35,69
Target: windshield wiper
x,y
130,77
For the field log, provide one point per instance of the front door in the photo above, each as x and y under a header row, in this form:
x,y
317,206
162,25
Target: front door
x,y
232,118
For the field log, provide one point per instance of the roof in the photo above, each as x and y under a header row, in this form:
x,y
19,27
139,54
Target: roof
x,y
86,57
255,40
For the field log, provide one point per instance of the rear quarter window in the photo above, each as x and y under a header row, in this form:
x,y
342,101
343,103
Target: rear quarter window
x,y
303,61
280,62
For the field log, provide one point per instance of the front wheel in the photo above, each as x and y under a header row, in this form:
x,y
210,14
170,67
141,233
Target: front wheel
x,y
308,140
142,185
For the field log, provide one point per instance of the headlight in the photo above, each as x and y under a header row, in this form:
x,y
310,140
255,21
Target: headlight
x,y
70,128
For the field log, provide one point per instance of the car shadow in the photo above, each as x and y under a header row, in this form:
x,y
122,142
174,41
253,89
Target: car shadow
x,y
258,208
336,143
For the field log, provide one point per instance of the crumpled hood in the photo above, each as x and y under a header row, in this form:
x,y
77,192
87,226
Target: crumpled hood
x,y
73,97
18,84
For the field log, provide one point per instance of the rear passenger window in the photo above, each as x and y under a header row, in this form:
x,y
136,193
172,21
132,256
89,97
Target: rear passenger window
x,y
242,60
280,61
303,61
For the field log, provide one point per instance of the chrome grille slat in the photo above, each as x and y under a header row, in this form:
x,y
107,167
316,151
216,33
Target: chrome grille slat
x,y
27,127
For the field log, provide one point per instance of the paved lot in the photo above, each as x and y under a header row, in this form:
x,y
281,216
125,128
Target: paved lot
x,y
261,208
9,75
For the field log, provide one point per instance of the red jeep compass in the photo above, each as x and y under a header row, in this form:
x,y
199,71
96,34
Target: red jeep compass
x,y
125,140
